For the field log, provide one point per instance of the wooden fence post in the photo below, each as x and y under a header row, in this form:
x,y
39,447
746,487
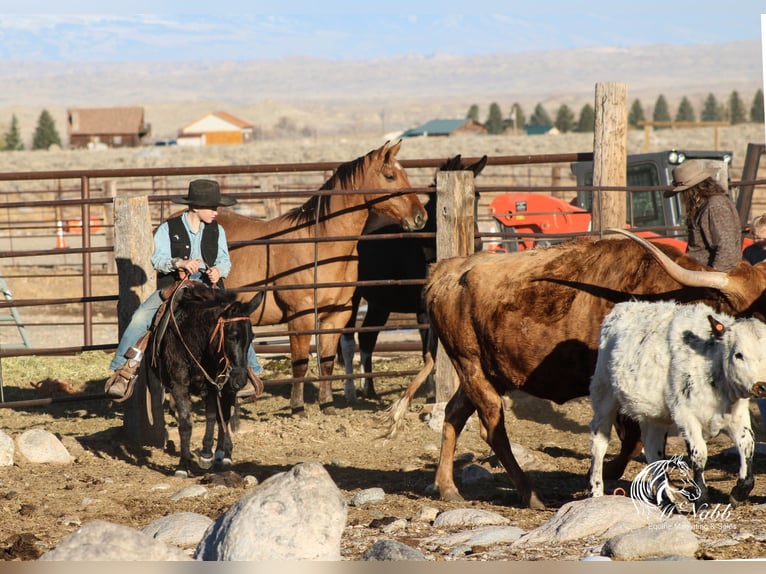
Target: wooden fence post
x,y
610,142
133,246
454,237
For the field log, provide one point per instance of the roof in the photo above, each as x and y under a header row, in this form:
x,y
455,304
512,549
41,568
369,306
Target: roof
x,y
128,120
436,128
538,130
215,121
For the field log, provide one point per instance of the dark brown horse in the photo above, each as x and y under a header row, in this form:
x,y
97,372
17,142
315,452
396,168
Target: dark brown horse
x,y
280,264
203,351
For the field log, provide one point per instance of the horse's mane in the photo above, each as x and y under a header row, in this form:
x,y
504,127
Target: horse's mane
x,y
343,178
196,297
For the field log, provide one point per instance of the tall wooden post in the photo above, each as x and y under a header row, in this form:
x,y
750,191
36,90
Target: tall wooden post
x,y
610,141
454,237
144,421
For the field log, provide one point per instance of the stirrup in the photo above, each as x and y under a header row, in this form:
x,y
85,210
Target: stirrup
x,y
119,386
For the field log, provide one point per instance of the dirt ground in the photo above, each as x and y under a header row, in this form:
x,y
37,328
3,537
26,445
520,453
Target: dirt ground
x,y
112,480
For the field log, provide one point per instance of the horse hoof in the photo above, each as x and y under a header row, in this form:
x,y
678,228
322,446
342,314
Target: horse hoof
x,y
300,412
205,462
181,473
222,461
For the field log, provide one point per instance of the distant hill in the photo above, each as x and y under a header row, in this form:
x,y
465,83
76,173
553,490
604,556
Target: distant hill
x,y
305,96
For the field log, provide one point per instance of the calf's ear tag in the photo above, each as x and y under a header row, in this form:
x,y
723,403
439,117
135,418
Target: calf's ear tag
x,y
717,326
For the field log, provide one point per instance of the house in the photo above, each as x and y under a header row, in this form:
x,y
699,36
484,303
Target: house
x,y
540,130
216,128
106,127
446,128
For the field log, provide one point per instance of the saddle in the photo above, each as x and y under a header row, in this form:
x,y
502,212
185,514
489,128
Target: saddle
x,y
128,373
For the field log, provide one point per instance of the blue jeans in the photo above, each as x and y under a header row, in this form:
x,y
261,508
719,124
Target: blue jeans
x,y
141,322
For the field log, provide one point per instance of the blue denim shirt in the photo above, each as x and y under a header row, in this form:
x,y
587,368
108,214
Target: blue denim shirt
x,y
162,261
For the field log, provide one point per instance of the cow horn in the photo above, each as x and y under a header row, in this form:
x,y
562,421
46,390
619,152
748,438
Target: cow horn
x,y
688,277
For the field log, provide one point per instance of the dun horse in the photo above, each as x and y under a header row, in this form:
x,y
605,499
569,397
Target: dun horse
x,y
200,348
291,258
398,258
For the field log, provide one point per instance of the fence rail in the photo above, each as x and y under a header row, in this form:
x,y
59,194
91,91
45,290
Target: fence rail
x,y
57,236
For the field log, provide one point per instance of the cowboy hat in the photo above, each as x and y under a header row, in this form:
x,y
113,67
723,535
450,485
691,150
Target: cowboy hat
x,y
205,193
689,174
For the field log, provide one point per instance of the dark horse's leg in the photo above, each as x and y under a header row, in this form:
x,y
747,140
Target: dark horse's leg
x,y
376,316
631,445
182,400
429,390
224,445
211,412
347,348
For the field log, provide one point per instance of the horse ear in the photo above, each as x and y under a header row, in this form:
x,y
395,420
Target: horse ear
x,y
255,302
478,166
392,151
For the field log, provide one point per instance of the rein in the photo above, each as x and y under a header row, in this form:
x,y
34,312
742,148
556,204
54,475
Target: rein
x,y
218,330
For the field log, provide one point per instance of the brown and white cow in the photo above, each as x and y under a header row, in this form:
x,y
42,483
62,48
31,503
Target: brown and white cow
x,y
530,320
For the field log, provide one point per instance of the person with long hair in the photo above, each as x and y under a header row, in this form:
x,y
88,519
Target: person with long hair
x,y
714,233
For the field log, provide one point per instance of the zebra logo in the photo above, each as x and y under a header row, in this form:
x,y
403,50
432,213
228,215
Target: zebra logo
x,y
664,485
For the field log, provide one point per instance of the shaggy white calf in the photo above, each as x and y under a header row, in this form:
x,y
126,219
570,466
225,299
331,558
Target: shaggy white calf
x,y
663,364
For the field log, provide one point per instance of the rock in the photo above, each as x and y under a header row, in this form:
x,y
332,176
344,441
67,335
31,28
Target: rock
x,y
602,517
295,515
189,492
672,537
474,473
104,541
425,514
42,446
184,529
6,450
391,550
468,517
484,536
367,496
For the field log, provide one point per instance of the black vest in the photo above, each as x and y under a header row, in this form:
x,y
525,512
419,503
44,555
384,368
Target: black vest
x,y
180,246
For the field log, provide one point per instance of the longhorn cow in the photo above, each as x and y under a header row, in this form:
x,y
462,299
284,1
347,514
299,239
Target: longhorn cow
x,y
530,320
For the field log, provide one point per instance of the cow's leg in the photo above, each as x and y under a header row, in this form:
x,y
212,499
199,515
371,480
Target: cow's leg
x,y
489,404
376,317
430,387
697,448
299,352
456,413
604,414
655,437
630,440
205,459
741,433
183,416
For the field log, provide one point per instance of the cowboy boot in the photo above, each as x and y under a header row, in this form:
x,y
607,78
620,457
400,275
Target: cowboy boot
x,y
120,384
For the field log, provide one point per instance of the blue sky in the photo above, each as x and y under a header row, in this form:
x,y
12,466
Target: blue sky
x,y
80,30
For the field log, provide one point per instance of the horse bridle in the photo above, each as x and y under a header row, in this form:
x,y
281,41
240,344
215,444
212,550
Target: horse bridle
x,y
224,374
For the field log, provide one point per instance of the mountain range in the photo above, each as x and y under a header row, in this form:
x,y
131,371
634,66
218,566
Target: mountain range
x,y
305,95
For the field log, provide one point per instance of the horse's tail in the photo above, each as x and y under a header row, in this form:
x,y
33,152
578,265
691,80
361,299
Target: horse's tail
x,y
393,416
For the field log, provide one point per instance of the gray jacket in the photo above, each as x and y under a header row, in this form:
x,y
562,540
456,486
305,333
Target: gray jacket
x,y
715,238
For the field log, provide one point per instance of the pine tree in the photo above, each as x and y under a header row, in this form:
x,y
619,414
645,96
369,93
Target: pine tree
x,y
540,117
565,120
661,113
685,111
473,113
46,134
12,137
494,121
517,114
711,111
636,114
736,109
587,119
756,110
